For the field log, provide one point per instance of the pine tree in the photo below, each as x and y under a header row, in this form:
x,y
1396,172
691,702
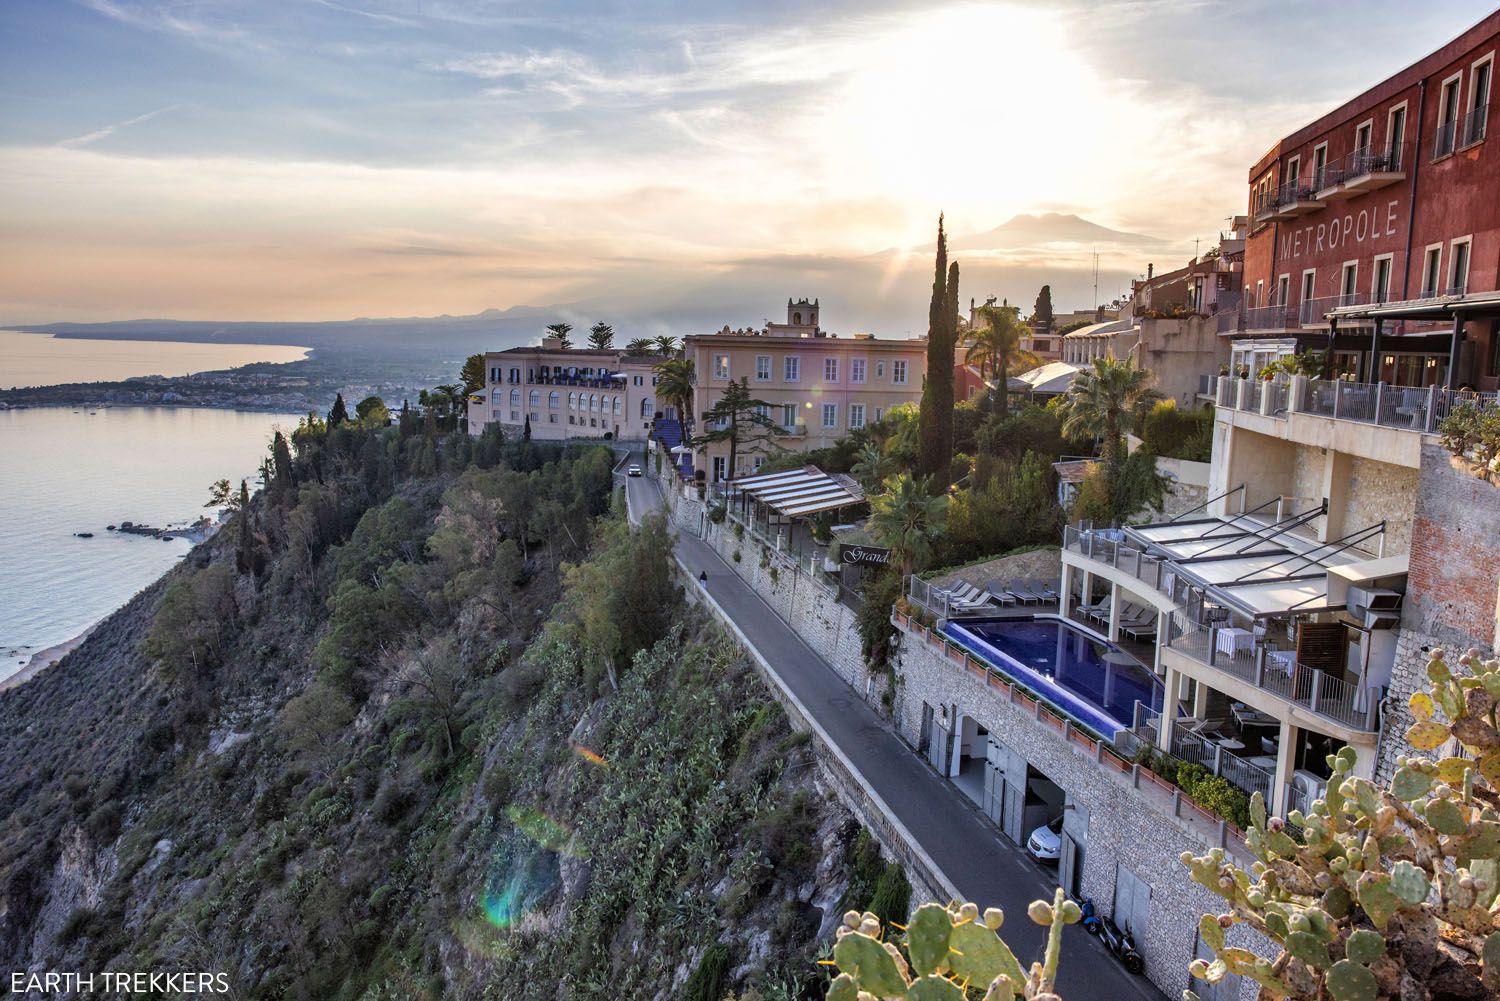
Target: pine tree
x,y
745,420
339,414
601,336
282,475
936,455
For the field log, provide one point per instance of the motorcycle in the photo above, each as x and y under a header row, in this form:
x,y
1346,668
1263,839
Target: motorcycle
x,y
1120,943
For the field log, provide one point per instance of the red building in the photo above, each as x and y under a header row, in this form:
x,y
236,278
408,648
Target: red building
x,y
1375,230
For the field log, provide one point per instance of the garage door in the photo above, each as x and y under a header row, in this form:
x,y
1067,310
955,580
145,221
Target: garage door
x,y
1132,911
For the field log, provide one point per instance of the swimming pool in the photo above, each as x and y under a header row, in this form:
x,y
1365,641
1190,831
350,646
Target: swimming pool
x,y
1087,677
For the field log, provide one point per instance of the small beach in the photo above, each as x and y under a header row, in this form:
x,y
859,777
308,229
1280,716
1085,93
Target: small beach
x,y
43,659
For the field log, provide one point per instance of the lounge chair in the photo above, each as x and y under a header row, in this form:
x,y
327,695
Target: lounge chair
x,y
1024,594
1046,590
1088,611
999,594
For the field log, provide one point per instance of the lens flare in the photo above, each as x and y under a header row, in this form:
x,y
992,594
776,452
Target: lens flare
x,y
590,755
550,834
521,884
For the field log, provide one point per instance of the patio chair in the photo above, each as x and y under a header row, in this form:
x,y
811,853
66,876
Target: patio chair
x,y
961,591
1142,631
1043,588
1088,611
997,593
1027,594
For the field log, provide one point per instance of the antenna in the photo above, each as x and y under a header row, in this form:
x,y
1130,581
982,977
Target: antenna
x,y
1096,278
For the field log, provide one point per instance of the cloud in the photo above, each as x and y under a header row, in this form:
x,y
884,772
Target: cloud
x,y
88,138
373,15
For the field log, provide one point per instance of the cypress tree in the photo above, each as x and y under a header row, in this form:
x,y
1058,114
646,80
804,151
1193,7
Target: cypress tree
x,y
281,463
936,426
339,414
242,559
526,429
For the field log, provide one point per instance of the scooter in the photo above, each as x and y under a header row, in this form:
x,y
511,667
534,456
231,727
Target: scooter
x,y
1120,943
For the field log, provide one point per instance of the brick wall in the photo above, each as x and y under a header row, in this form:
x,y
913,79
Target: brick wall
x,y
1453,588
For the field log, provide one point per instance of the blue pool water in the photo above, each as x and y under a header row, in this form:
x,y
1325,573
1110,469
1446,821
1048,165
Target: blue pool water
x,y
1065,665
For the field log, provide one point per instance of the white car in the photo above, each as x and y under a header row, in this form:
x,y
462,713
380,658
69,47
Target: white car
x,y
1045,842
633,471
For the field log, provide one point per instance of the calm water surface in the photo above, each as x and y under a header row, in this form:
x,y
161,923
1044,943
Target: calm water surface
x,y
44,360
64,471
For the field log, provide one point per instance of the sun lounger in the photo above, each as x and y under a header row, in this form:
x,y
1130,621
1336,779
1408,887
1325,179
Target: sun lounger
x,y
1024,594
999,594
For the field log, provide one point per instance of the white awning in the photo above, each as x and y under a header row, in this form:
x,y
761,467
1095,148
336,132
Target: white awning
x,y
798,492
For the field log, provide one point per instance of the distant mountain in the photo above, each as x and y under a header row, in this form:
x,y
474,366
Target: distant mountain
x,y
1034,231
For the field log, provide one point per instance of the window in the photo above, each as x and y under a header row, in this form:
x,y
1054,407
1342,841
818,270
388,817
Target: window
x,y
515,397
1443,142
515,415
1260,294
856,416
1380,288
1432,273
830,415
791,368
1320,167
1458,266
830,370
1350,284
788,415
1293,170
756,462
648,407
551,418
617,406
1395,137
535,398
553,399
1283,289
515,375
637,380
898,371
1309,286
856,370
880,368
593,403
719,465
1362,136
572,401
878,413
762,368
721,366
494,373
1494,351
1479,101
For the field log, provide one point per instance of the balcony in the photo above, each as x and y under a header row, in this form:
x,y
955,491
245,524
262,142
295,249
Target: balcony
x,y
1369,169
1328,181
1407,408
1314,312
1444,139
793,430
1278,672
1475,125
1297,198
1265,318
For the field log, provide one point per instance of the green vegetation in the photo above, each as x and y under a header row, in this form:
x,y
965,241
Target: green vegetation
x,y
936,415
908,521
741,420
601,336
561,332
674,386
1041,312
997,345
1472,433
1179,434
1108,401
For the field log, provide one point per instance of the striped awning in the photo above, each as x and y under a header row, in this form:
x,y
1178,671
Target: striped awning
x,y
798,492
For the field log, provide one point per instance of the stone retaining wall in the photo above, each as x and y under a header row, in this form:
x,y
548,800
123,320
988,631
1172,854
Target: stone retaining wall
x,y
1133,818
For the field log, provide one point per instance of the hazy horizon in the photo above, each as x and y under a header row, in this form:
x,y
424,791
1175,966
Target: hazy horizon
x,y
313,160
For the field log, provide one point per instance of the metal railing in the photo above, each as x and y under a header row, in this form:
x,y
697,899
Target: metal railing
x,y
1199,750
1108,548
1311,312
1370,160
1279,673
1443,139
1408,408
1265,318
1475,124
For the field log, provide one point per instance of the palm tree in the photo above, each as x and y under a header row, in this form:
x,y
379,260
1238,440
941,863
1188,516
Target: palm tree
x,y
666,344
996,345
640,346
560,331
1108,400
870,466
674,385
907,521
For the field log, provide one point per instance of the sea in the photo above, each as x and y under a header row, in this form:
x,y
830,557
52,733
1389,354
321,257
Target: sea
x,y
44,360
68,471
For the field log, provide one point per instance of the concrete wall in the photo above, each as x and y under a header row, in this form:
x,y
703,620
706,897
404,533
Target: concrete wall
x,y
1123,827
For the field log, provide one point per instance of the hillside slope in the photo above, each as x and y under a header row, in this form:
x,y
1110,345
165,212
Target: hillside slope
x,y
428,721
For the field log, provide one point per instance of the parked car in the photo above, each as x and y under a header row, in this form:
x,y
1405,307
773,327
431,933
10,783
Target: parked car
x,y
633,471
1045,842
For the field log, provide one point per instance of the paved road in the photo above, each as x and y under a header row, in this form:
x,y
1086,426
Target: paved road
x,y
963,843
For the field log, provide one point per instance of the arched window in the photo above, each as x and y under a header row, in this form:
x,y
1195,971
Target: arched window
x,y
647,407
553,399
593,403
515,397
797,319
572,401
617,406
536,397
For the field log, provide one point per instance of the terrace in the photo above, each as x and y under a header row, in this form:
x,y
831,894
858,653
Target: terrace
x,y
1275,647
1406,408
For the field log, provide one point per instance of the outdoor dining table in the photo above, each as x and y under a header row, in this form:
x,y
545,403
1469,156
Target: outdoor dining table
x,y
1233,639
1284,659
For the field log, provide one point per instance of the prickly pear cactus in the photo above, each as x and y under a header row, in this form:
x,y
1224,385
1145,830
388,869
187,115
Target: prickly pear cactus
x,y
1387,893
951,953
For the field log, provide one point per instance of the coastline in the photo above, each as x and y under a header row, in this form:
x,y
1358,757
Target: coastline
x,y
43,659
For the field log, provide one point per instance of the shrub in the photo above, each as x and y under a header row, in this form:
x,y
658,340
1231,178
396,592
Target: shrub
x,y
1472,433
710,976
892,899
717,513
1178,434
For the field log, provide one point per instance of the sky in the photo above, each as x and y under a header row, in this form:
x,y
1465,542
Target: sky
x,y
654,161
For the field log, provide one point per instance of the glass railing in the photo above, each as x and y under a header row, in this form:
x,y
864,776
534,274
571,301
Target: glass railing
x,y
1409,408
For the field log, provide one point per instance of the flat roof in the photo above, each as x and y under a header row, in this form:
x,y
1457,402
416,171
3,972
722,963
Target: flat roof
x,y
796,492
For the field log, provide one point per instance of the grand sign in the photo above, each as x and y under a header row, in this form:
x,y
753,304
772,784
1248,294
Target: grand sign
x,y
1348,231
864,555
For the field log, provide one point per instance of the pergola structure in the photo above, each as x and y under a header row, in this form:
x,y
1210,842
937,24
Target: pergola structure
x,y
792,494
1455,310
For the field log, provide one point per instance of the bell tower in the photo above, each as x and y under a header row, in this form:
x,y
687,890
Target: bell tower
x,y
802,313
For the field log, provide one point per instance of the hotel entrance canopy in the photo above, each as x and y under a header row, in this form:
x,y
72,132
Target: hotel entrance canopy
x,y
799,492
